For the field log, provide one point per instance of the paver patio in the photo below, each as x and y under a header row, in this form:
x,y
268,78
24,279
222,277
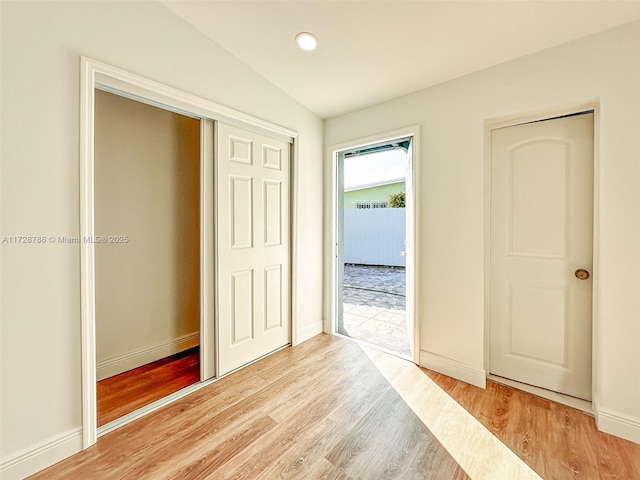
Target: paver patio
x,y
374,306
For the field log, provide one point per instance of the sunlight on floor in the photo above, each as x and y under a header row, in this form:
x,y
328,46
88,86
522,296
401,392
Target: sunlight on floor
x,y
477,451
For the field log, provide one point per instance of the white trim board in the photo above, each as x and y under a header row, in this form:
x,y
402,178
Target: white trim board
x,y
115,80
208,270
141,356
310,331
618,424
453,368
42,455
296,335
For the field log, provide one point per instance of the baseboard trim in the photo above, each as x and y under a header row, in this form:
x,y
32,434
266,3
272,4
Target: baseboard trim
x,y
616,423
47,453
453,368
122,363
310,331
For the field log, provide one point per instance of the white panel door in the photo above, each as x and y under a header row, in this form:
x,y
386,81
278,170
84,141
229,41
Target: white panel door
x,y
252,246
541,237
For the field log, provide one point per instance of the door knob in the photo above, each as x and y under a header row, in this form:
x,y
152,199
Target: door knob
x,y
582,274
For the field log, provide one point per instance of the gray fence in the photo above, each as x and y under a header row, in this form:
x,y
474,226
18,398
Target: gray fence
x,y
374,236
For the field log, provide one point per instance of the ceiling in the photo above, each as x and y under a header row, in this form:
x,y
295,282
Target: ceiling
x,y
371,51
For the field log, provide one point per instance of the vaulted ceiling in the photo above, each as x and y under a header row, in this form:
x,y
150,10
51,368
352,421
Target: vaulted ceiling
x,y
371,51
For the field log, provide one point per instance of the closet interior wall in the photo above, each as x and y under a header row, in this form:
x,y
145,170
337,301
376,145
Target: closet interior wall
x,y
147,211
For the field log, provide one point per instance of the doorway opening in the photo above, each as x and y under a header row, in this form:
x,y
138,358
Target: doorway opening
x,y
193,283
374,260
147,254
541,254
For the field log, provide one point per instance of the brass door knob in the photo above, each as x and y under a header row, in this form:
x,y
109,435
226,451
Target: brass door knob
x,y
582,274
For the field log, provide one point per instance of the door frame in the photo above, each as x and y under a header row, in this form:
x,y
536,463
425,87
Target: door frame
x,y
332,223
99,75
520,119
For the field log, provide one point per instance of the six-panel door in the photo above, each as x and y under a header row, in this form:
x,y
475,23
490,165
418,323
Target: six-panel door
x,y
252,246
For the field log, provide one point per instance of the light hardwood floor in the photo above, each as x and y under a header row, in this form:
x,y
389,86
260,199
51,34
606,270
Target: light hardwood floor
x,y
557,441
332,409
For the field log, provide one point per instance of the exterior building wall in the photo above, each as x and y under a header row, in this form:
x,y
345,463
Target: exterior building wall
x,y
379,193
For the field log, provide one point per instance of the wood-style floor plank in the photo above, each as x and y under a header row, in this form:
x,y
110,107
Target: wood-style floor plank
x,y
387,442
327,409
557,441
128,391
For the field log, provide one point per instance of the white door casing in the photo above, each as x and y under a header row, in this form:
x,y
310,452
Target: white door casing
x,y
207,249
541,234
253,246
409,252
339,260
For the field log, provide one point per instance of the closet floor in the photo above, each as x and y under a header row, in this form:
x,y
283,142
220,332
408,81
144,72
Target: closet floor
x,y
128,391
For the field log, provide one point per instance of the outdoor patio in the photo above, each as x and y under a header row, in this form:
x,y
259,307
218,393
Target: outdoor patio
x,y
374,306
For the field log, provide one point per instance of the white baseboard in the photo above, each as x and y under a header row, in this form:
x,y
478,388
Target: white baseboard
x,y
41,456
121,363
618,424
310,331
453,368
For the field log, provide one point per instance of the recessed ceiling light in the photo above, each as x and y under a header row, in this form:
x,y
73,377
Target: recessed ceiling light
x,y
306,41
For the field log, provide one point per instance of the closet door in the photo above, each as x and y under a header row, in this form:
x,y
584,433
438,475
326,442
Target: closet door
x,y
253,246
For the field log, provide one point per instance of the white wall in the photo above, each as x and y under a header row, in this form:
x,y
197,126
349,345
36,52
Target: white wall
x,y
147,189
451,189
41,46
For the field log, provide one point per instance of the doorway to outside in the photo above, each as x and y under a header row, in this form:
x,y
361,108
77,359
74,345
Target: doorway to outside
x,y
374,202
